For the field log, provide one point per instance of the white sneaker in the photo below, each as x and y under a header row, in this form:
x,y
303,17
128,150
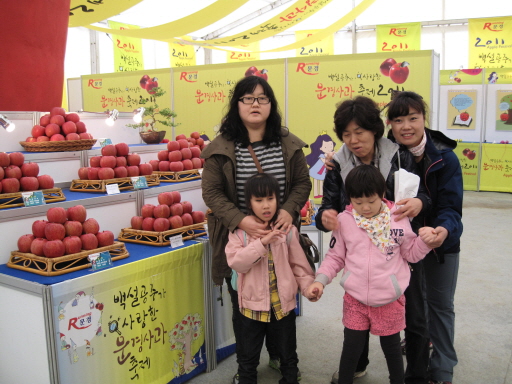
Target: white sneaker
x,y
336,375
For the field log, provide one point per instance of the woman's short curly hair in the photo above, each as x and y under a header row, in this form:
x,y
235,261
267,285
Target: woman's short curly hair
x,y
363,111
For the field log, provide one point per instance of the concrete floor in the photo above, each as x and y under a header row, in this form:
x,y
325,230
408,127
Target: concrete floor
x,y
483,305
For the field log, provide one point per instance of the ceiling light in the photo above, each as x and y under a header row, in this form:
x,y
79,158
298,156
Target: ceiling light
x,y
7,124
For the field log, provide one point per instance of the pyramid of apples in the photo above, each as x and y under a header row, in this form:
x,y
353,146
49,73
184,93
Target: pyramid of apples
x,y
59,126
170,213
65,232
17,176
182,154
115,161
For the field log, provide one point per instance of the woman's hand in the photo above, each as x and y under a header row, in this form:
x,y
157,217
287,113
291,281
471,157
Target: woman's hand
x,y
410,207
253,227
272,237
434,238
284,221
328,160
314,292
330,219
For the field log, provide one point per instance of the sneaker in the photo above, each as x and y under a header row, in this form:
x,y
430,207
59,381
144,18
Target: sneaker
x,y
275,364
439,382
336,375
235,379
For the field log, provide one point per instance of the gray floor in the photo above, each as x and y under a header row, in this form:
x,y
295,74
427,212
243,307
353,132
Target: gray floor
x,y
483,305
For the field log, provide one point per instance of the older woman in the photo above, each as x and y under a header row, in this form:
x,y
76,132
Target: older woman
x,y
252,121
359,125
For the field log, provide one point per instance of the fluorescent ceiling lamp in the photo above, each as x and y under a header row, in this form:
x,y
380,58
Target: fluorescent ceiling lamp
x,y
7,124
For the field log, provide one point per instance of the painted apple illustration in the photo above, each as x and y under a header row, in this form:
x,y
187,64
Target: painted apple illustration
x,y
143,81
386,66
504,116
466,151
151,83
251,71
262,74
464,116
472,72
457,80
471,155
399,72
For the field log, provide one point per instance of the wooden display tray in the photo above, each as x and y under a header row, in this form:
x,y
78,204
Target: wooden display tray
x,y
101,185
64,264
161,238
58,146
308,219
174,177
12,200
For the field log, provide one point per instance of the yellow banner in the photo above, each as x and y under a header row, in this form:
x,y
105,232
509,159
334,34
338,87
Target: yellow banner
x,y
323,47
469,158
461,76
498,76
182,55
204,92
462,109
127,50
490,42
251,54
496,174
399,37
82,13
319,83
185,25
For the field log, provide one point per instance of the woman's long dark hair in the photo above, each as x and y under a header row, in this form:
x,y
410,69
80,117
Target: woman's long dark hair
x,y
232,126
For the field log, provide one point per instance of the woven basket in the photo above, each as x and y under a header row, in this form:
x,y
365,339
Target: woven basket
x,y
124,183
175,177
308,219
161,238
12,200
64,264
58,146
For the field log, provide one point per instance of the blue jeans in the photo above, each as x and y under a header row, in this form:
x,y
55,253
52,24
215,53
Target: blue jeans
x,y
441,280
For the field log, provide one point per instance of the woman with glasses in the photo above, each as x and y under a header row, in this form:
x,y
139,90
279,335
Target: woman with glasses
x,y
253,123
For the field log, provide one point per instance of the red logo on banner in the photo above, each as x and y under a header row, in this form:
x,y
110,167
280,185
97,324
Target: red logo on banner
x,y
189,77
95,83
494,27
308,68
398,32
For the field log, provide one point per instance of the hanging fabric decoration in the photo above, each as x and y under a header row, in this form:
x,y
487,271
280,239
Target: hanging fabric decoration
x,y
82,12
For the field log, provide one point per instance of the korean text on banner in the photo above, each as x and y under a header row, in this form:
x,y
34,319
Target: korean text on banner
x,y
182,55
399,37
127,50
490,42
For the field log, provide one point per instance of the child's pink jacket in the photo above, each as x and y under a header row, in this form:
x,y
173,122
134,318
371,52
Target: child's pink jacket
x,y
251,262
372,277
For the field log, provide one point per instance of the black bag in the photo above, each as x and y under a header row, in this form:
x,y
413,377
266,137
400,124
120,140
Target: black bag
x,y
310,250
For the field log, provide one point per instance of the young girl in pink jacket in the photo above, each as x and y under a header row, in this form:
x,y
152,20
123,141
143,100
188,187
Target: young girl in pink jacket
x,y
270,270
373,250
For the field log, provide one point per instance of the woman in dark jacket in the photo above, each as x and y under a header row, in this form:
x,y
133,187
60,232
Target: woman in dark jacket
x,y
441,173
359,125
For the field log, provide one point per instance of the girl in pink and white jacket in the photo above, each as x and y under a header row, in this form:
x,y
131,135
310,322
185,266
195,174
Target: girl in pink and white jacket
x,y
374,251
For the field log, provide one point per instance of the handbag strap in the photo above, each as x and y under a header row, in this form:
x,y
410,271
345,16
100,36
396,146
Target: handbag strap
x,y
258,165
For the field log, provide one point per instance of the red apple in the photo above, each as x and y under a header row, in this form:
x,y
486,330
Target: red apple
x,y
386,66
471,155
187,219
503,117
72,136
72,117
145,169
42,138
165,141
148,224
10,185
181,136
45,182
191,140
195,151
108,162
133,159
399,72
176,166
109,150
30,139
136,222
80,127
91,226
92,173
77,213
262,74
176,209
162,210
29,183
2,173
200,142
69,127
57,119
54,248
120,172
176,222
85,136
187,165
5,159
165,198
57,137
16,158
122,149
105,238
30,169
144,80
197,163
164,166
183,143
56,215
251,71
175,156
154,164
37,246
187,206
44,120
95,161
304,212
197,216
466,151
464,116
56,111
121,161
72,244
151,84
147,210
186,153
73,228
133,170
161,224
173,146
24,243
176,196
38,227
163,155
195,135
37,130
89,241
106,173
13,171
54,231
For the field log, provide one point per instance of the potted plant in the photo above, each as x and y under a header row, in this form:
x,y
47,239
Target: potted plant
x,y
153,116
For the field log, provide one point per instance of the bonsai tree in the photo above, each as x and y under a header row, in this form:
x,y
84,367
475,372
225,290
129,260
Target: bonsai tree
x,y
153,115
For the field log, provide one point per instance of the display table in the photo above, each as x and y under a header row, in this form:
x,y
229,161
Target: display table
x,y
142,320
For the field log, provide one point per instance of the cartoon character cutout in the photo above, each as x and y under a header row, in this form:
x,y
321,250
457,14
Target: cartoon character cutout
x,y
61,311
89,351
73,354
316,161
63,343
77,297
91,299
453,77
493,78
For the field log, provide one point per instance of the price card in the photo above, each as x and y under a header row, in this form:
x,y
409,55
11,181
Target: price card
x,y
176,241
104,141
31,199
100,260
113,189
139,182
200,170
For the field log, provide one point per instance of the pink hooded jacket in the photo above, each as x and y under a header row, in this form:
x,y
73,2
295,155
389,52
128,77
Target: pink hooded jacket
x,y
251,262
372,277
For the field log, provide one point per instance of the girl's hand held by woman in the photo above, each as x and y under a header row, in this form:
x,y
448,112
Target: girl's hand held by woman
x,y
315,291
434,238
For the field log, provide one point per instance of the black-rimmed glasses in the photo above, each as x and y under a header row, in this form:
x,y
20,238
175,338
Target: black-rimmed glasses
x,y
251,100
